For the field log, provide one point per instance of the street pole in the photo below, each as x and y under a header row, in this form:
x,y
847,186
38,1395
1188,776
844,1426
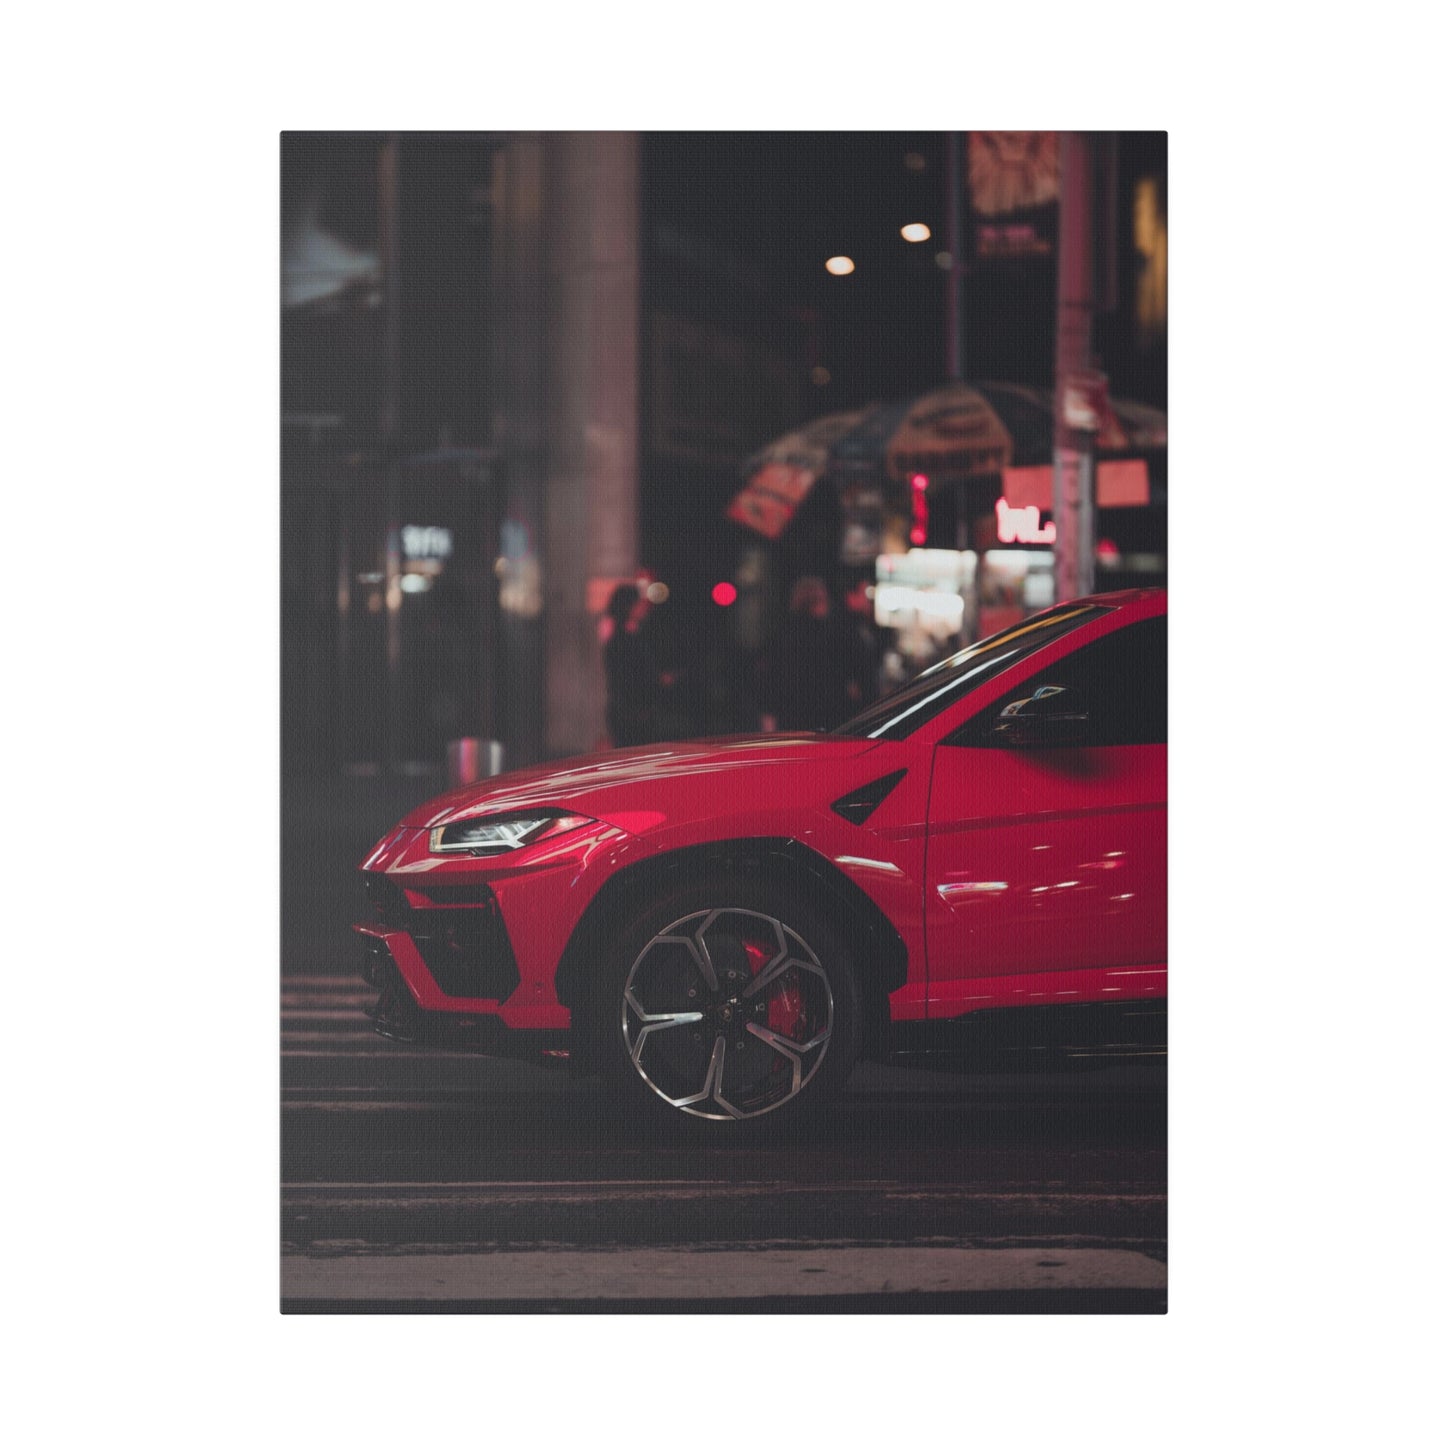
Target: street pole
x,y
389,220
953,279
1073,444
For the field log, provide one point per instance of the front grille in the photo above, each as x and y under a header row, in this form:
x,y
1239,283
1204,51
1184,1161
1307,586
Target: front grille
x,y
453,895
388,902
461,936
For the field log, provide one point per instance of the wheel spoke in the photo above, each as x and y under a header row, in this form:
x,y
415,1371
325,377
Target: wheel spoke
x,y
776,969
713,1082
792,1051
699,949
774,926
642,983
655,1023
784,1044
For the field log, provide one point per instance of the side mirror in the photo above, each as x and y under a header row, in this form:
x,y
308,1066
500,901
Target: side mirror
x,y
1053,717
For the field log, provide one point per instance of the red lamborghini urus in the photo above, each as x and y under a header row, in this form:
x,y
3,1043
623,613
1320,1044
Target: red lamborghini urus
x,y
972,869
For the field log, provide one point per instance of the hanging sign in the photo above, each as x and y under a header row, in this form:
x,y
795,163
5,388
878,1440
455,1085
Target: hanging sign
x,y
1013,184
771,497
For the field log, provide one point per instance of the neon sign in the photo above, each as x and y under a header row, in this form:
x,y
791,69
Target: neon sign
x,y
426,542
1022,524
919,533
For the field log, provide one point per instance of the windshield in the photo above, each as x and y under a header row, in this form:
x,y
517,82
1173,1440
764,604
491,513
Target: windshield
x,y
901,712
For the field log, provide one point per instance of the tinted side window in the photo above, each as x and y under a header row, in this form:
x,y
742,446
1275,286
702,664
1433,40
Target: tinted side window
x,y
1120,680
902,713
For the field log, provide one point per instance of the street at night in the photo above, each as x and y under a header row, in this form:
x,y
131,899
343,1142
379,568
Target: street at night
x,y
427,1180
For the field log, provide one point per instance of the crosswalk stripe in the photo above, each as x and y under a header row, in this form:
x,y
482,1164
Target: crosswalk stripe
x,y
320,1013
387,1194
702,1273
372,1046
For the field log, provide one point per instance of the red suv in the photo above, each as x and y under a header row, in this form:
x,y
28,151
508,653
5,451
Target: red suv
x,y
973,868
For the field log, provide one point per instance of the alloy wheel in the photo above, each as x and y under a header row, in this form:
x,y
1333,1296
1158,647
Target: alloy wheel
x,y
727,1014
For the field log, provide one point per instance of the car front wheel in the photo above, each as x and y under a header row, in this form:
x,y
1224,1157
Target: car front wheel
x,y
728,1002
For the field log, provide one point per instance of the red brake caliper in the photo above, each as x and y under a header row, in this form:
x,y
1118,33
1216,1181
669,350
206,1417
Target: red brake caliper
x,y
785,1004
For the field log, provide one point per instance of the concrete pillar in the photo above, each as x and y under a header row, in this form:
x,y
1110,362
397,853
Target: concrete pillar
x,y
518,430
590,236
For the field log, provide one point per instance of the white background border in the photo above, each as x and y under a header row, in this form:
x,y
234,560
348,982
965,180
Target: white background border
x,y
142,241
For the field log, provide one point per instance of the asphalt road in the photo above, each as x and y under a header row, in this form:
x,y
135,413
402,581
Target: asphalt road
x,y
415,1180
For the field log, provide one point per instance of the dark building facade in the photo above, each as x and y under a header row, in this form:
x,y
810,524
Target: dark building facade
x,y
459,409
516,367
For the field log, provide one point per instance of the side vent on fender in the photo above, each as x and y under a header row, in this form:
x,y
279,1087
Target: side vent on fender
x,y
858,806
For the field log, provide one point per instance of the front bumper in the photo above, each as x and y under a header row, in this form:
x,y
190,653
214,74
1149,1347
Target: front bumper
x,y
451,938
464,951
396,1015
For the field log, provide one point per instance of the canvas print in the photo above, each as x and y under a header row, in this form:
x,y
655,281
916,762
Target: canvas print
x,y
724,722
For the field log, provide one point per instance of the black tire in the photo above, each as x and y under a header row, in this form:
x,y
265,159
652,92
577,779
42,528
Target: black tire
x,y
727,1003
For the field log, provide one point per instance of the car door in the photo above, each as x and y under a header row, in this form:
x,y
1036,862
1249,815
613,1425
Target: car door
x,y
1048,826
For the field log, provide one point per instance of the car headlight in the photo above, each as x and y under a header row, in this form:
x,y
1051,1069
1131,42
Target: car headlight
x,y
499,834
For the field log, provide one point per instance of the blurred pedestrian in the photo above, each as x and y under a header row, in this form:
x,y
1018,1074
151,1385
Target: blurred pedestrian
x,y
858,612
631,667
815,674
672,650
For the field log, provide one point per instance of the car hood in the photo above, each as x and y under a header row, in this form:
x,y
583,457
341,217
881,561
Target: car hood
x,y
612,787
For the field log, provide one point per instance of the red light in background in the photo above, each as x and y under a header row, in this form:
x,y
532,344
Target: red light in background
x,y
1107,551
724,594
919,535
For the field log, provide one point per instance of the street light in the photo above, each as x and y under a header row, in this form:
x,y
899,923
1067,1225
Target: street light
x,y
839,265
915,231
